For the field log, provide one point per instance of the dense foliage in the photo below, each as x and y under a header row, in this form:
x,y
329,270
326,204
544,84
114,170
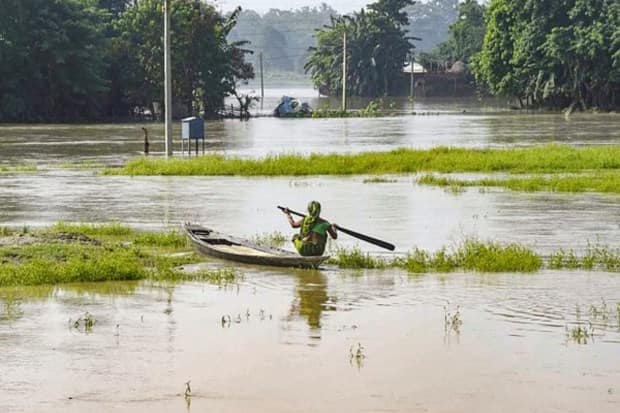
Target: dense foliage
x,y
466,34
377,47
558,53
72,60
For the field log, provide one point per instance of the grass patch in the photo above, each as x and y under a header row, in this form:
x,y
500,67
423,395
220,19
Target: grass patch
x,y
487,257
371,110
595,257
356,259
82,165
72,253
378,180
93,230
471,255
598,182
25,168
5,232
163,239
494,257
541,159
274,239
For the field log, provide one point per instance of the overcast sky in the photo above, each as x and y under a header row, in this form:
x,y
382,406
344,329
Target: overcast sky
x,y
263,6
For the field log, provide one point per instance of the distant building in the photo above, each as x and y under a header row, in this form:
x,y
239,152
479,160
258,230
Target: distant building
x,y
417,68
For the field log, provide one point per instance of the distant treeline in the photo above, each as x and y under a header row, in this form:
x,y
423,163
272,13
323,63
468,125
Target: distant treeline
x,y
284,36
71,60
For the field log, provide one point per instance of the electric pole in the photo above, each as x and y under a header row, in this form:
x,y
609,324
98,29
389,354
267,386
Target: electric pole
x,y
411,80
167,80
344,71
262,84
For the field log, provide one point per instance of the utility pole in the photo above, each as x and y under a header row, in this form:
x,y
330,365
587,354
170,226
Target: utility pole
x,y
411,81
262,84
344,71
167,80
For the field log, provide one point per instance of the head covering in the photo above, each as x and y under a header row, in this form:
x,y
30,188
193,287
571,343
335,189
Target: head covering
x,y
314,210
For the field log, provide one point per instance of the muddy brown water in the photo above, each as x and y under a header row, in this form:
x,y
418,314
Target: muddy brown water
x,y
287,345
513,351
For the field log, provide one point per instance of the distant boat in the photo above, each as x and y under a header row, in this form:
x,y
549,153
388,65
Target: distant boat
x,y
291,107
214,244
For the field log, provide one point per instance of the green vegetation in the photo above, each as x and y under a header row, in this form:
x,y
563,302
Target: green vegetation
x,y
553,53
370,111
479,256
110,230
377,46
580,334
465,39
356,259
540,159
275,239
70,253
70,60
283,36
471,255
600,182
18,168
595,256
378,180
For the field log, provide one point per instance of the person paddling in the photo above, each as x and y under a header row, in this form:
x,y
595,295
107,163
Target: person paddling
x,y
312,236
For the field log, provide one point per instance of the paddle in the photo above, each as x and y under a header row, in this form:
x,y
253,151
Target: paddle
x,y
354,234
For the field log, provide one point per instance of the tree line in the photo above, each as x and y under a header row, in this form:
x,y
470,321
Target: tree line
x,y
543,53
69,60
552,53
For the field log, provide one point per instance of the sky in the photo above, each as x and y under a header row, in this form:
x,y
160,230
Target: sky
x,y
263,6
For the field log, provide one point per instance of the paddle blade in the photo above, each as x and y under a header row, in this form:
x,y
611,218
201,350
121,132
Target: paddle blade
x,y
369,239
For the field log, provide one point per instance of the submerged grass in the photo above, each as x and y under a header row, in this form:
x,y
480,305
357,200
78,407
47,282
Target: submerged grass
x,y
356,259
25,168
71,253
540,159
378,180
471,255
598,182
488,257
274,239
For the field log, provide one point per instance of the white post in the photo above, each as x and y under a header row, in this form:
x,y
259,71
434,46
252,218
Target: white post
x,y
262,84
167,80
411,80
344,71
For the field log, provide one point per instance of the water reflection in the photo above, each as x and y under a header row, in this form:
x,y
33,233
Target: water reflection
x,y
312,299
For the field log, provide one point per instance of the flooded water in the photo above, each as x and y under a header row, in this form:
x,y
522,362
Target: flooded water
x,y
288,342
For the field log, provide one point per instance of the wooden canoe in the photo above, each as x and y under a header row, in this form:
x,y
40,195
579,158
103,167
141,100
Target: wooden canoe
x,y
215,244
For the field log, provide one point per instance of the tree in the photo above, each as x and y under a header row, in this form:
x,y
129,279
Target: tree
x,y
51,63
377,47
283,36
560,53
466,34
205,66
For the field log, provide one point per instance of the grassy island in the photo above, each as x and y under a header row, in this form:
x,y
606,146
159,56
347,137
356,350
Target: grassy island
x,y
540,159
